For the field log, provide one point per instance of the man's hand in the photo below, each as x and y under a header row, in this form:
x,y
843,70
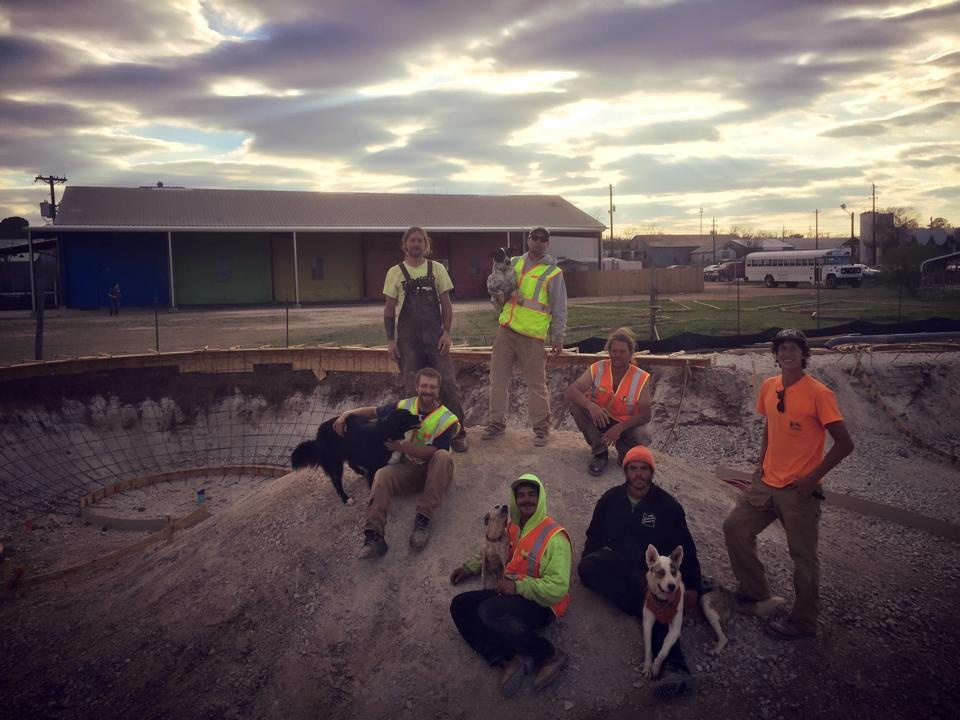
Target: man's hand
x,y
612,434
558,346
392,351
443,344
506,586
805,485
396,446
459,575
340,424
691,603
599,415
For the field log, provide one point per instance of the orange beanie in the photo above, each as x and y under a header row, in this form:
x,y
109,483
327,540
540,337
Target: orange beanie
x,y
639,453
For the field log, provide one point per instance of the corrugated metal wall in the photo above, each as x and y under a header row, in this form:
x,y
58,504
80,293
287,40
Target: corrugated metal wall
x,y
222,268
92,262
330,266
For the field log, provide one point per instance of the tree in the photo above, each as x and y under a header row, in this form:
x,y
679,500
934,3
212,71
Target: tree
x,y
939,223
13,228
904,218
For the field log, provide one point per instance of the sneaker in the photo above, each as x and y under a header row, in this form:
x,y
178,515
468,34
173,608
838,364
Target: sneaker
x,y
421,532
786,629
549,670
459,443
515,671
540,437
374,545
672,683
598,465
492,431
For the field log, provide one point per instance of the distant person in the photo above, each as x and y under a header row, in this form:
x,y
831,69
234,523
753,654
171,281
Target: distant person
x,y
503,623
537,311
419,290
799,412
610,402
114,297
426,467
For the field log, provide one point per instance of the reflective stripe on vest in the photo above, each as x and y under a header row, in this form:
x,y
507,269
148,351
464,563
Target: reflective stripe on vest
x,y
528,313
431,427
620,405
528,551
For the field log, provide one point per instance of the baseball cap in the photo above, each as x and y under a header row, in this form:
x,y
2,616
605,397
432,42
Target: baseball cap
x,y
793,335
540,231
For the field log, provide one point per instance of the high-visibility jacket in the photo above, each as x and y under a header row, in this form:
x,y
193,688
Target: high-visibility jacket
x,y
528,551
432,426
528,312
622,402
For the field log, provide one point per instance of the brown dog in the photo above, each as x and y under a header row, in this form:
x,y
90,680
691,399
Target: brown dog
x,y
496,545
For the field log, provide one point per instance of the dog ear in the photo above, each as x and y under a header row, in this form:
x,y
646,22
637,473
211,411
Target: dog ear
x,y
486,519
677,555
652,555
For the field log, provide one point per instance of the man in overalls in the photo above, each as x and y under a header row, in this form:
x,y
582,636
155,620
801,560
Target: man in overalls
x,y
421,336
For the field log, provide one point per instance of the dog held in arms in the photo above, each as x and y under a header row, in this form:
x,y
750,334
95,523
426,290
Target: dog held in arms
x,y
502,280
496,546
361,447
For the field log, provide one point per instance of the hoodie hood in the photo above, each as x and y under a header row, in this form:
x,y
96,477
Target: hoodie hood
x,y
539,514
547,258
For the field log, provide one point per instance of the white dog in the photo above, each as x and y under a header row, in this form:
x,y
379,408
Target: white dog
x,y
496,545
663,603
502,280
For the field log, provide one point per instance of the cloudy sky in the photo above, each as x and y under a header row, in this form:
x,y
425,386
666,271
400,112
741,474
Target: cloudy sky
x,y
760,111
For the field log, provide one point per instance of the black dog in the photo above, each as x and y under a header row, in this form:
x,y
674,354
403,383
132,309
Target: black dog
x,y
361,447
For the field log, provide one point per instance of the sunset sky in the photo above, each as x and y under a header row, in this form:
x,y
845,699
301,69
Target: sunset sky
x,y
760,111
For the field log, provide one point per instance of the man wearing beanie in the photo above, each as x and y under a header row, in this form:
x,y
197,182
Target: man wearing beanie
x,y
626,519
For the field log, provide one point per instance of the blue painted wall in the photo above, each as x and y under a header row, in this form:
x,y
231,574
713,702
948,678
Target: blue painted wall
x,y
92,262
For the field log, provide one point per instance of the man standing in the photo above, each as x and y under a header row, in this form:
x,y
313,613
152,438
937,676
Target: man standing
x,y
427,466
799,412
502,623
419,289
610,402
114,297
626,519
537,310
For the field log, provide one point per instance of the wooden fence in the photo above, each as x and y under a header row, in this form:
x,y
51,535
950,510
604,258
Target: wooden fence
x,y
597,283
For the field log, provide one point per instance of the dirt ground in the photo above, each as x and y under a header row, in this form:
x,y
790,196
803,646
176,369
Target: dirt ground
x,y
263,611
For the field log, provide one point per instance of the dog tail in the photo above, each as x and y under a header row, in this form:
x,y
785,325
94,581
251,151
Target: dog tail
x,y
306,453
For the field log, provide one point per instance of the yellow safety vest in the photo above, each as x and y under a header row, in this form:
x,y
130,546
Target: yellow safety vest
x,y
432,426
528,312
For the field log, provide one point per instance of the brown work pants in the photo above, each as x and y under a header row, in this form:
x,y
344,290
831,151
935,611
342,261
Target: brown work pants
x,y
510,347
431,478
592,434
414,356
757,508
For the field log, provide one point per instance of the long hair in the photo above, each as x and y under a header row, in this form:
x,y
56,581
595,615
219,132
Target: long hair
x,y
624,335
427,248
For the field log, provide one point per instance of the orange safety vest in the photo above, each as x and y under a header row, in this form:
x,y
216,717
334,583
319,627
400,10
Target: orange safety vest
x,y
527,553
621,404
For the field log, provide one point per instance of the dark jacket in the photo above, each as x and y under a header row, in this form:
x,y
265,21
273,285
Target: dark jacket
x,y
656,520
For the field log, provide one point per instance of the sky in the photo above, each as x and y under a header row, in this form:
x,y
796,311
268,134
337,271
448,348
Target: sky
x,y
760,112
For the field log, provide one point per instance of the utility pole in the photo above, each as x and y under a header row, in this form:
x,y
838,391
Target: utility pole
x,y
613,209
52,180
701,226
816,232
714,233
874,238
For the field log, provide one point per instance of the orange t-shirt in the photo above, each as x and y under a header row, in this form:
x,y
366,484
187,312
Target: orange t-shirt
x,y
795,437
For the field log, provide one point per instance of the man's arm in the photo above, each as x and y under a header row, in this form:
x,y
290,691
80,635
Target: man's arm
x,y
758,471
596,531
558,312
842,446
577,394
446,313
554,580
641,417
390,326
366,413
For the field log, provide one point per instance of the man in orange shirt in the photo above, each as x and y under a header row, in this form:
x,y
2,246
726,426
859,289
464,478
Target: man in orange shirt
x,y
799,412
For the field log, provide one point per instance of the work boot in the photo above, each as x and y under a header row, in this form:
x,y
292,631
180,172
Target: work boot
x,y
421,532
598,464
514,672
374,545
541,437
493,430
549,670
459,443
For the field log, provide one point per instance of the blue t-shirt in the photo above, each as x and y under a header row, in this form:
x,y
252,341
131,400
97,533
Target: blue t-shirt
x,y
441,442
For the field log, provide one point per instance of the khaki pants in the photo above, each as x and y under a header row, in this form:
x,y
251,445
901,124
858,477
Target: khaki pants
x,y
591,433
757,508
510,347
432,478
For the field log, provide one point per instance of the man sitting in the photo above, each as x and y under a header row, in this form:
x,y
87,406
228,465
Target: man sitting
x,y
610,402
426,467
502,623
626,519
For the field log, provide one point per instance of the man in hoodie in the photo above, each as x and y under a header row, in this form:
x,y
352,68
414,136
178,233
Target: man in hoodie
x,y
502,623
626,519
537,311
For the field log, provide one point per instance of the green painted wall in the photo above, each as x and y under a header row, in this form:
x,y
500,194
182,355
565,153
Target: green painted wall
x,y
221,268
330,266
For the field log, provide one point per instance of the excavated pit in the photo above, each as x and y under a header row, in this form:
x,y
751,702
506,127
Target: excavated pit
x,y
261,610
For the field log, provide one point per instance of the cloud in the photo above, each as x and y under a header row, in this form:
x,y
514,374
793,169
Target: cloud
x,y
925,116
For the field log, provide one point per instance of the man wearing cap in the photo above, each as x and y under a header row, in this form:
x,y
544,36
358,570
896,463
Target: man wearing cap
x,y
502,624
799,412
537,313
610,402
626,519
